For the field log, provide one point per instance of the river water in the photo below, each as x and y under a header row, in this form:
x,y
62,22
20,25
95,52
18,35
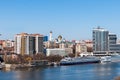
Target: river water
x,y
100,71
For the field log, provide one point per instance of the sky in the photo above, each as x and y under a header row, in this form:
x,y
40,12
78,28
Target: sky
x,y
73,19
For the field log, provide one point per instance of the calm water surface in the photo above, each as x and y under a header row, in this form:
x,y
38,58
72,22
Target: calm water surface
x,y
107,71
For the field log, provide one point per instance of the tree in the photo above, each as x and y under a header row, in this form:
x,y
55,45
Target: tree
x,y
24,58
71,55
39,56
54,58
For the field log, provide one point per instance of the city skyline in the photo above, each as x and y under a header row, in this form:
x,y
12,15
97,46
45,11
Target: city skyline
x,y
73,19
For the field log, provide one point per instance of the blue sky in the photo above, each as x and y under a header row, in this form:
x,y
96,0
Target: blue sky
x,y
73,19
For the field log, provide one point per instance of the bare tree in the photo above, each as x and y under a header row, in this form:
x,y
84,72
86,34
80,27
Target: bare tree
x,y
71,55
54,58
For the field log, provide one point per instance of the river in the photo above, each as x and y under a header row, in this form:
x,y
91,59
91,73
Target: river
x,y
99,71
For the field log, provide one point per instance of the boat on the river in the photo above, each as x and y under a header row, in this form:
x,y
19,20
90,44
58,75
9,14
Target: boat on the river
x,y
111,58
79,60
105,59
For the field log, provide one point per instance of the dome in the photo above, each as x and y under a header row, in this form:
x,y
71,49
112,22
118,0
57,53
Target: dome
x,y
59,37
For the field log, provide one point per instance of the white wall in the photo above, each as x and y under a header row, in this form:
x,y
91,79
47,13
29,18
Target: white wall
x,y
55,51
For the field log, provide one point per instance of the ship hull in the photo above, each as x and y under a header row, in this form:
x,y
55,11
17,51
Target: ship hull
x,y
76,63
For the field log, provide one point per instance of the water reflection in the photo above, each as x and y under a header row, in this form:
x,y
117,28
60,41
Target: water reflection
x,y
106,71
29,73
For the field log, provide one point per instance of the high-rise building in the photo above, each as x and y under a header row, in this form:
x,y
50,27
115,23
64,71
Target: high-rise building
x,y
100,40
103,42
113,46
28,43
112,39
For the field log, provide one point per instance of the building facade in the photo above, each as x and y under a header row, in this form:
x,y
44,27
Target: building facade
x,y
45,38
113,46
28,43
100,40
103,42
80,48
55,51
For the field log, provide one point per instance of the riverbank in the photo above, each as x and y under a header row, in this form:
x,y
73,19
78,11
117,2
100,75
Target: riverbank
x,y
107,71
36,63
